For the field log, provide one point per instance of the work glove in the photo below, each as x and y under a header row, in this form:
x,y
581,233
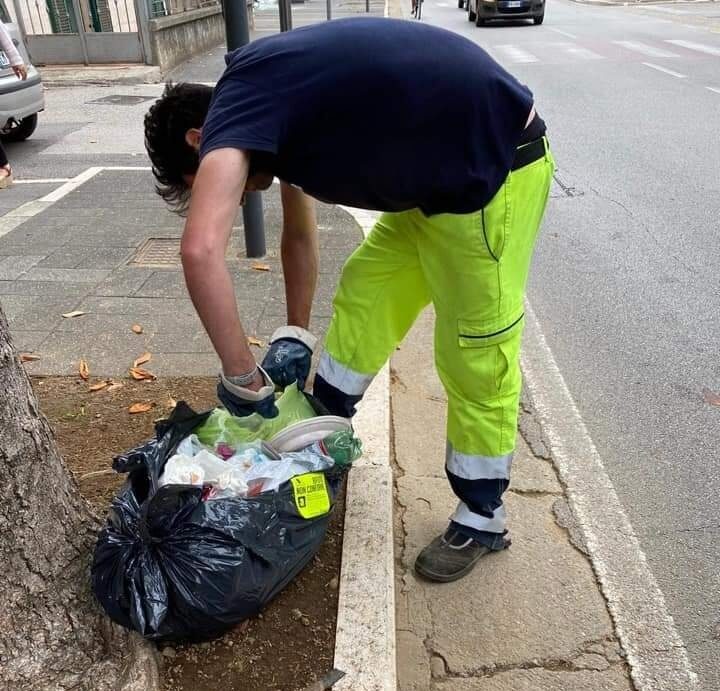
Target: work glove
x,y
241,401
289,356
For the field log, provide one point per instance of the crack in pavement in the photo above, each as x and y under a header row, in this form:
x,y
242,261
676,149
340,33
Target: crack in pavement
x,y
645,229
534,492
554,664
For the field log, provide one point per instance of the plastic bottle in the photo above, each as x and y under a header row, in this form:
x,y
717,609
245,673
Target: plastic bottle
x,y
343,447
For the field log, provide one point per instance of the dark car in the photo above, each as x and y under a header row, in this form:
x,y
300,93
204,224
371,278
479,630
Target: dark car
x,y
482,11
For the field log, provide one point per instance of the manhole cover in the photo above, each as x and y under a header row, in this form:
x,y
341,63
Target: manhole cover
x,y
166,252
120,100
157,252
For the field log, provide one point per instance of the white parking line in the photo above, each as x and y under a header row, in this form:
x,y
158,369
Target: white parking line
x,y
71,185
665,70
583,53
515,53
40,181
12,219
655,652
645,49
699,47
713,88
561,32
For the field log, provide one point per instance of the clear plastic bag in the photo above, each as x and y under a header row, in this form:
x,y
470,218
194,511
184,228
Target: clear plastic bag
x,y
221,427
267,476
204,468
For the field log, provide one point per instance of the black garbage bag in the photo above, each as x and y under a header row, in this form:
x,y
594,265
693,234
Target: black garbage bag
x,y
172,566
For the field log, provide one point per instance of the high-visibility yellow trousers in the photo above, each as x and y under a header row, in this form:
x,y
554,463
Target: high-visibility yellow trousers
x,y
473,268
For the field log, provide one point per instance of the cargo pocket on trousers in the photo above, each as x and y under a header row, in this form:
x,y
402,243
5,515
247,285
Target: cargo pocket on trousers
x,y
495,338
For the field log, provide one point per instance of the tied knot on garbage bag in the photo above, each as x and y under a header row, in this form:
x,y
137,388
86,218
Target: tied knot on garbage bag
x,y
218,515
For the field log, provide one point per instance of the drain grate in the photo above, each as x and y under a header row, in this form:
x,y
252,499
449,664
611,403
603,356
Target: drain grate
x,y
157,252
120,100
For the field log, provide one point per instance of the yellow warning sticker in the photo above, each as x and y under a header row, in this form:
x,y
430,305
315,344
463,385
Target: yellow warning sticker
x,y
311,494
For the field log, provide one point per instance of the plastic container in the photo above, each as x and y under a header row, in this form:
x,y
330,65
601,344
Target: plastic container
x,y
306,432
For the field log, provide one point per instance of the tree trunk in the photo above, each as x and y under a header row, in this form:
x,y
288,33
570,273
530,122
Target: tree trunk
x,y
53,634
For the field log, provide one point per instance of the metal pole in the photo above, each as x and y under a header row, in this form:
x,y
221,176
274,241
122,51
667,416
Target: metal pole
x,y
328,11
285,8
367,6
142,17
237,31
80,23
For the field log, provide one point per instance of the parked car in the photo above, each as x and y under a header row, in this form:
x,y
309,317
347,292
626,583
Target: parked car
x,y
483,11
20,101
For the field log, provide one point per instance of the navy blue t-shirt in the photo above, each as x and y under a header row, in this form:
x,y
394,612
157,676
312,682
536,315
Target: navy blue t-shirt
x,y
374,113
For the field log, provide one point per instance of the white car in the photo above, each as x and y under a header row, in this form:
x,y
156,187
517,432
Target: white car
x,y
20,101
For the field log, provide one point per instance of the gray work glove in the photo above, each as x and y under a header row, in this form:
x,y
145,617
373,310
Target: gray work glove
x,y
289,356
241,401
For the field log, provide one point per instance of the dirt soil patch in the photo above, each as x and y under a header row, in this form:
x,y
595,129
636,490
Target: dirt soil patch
x,y
291,643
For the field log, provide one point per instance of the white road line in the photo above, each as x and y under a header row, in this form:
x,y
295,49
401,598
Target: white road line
x,y
71,185
22,213
443,4
645,49
713,88
699,47
40,181
655,652
562,33
515,53
665,70
582,53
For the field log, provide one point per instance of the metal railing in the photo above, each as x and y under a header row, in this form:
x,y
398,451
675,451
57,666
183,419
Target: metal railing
x,y
48,17
165,8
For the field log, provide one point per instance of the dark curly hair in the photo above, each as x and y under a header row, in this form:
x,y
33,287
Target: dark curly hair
x,y
182,107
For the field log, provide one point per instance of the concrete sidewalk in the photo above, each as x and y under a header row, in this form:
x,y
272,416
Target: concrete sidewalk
x,y
110,248
531,618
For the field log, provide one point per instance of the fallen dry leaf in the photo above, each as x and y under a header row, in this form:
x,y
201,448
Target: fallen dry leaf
x,y
83,370
145,357
255,341
99,386
137,328
140,408
171,403
70,315
140,374
259,266
711,397
115,386
28,357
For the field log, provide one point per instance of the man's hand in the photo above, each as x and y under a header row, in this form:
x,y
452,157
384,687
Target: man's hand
x,y
241,398
20,71
289,356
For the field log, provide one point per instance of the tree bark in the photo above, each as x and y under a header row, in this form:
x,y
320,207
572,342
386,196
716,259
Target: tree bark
x,y
53,634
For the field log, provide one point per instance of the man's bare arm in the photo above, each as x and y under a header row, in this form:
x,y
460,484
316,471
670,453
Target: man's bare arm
x,y
300,254
217,191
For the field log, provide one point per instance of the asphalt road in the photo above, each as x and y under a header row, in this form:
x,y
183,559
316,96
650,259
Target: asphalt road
x,y
625,281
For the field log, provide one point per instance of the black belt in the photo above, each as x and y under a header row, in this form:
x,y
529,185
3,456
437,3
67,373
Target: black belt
x,y
529,153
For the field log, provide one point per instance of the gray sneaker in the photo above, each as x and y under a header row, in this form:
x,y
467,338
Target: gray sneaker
x,y
450,556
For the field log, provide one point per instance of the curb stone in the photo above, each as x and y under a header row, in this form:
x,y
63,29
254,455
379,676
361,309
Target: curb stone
x,y
365,647
104,75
